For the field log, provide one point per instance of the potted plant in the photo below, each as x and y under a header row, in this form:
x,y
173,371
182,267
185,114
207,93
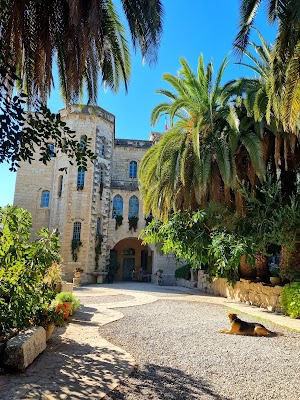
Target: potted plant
x,y
159,272
149,219
274,274
119,220
133,223
48,318
77,272
67,302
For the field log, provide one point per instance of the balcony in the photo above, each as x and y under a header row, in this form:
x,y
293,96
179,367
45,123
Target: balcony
x,y
126,185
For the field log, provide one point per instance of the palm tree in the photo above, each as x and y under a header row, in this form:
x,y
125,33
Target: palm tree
x,y
280,147
86,38
285,57
196,160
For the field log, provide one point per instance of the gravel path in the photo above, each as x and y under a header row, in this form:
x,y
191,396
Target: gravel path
x,y
181,356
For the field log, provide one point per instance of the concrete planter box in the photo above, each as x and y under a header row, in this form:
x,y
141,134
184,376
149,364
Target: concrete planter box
x,y
67,287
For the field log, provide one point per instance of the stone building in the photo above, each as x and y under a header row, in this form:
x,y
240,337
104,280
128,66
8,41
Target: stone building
x,y
98,212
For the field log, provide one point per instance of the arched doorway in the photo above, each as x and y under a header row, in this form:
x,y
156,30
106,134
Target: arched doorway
x,y
134,259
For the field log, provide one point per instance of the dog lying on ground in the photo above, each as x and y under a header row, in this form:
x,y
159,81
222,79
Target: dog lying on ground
x,y
239,327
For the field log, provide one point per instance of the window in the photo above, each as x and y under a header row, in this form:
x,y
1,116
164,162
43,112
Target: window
x,y
132,169
83,141
60,185
45,199
103,149
52,150
117,206
129,252
98,227
101,176
80,179
77,231
133,207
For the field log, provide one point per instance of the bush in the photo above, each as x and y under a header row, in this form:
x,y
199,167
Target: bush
x,y
183,272
26,286
290,299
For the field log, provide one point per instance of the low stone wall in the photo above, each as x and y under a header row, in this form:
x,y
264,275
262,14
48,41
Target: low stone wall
x,y
245,291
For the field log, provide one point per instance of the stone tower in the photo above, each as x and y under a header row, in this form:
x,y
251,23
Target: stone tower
x,y
85,206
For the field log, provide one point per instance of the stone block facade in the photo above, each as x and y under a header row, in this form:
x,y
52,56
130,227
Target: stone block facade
x,y
84,208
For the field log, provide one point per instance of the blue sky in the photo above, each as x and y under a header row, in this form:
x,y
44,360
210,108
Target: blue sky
x,y
190,28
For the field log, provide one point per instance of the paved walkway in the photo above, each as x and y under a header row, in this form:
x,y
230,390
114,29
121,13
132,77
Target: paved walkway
x,y
79,364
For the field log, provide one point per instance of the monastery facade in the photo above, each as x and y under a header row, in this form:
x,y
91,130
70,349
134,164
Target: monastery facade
x,y
97,212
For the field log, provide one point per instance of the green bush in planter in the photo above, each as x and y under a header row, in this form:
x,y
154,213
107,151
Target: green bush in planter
x,y
68,297
183,272
290,299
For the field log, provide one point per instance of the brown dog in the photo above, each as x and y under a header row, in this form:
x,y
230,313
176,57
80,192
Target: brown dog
x,y
239,327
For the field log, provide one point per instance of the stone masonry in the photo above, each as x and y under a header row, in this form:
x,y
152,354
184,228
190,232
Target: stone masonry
x,y
107,177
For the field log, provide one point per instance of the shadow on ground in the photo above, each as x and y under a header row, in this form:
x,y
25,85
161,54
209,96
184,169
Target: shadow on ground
x,y
156,382
68,368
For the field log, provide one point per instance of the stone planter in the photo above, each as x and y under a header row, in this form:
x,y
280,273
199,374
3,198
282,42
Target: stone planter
x,y
275,280
49,331
76,282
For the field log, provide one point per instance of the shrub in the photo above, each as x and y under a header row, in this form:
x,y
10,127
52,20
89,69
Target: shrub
x,y
26,285
183,272
290,299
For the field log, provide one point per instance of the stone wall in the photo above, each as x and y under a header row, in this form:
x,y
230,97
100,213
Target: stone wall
x,y
244,291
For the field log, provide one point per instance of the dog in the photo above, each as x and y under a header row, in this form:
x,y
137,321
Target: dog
x,y
239,327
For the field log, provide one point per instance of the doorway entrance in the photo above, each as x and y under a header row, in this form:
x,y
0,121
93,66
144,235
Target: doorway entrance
x,y
133,259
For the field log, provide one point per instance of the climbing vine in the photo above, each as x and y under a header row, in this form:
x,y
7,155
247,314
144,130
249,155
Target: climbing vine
x,y
98,250
75,245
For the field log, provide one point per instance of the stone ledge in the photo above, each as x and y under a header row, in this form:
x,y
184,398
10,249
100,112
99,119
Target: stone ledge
x,y
22,349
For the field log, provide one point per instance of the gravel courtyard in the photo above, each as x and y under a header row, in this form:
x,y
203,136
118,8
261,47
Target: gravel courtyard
x,y
181,356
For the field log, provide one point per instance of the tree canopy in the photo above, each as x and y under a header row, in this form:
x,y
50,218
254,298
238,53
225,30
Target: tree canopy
x,y
87,40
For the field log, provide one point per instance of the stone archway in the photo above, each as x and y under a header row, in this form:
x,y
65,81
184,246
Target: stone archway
x,y
134,259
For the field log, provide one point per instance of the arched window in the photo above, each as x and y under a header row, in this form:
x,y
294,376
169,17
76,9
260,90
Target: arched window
x,y
51,147
102,149
60,185
77,231
98,227
45,199
80,179
117,206
133,207
133,169
83,140
101,176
